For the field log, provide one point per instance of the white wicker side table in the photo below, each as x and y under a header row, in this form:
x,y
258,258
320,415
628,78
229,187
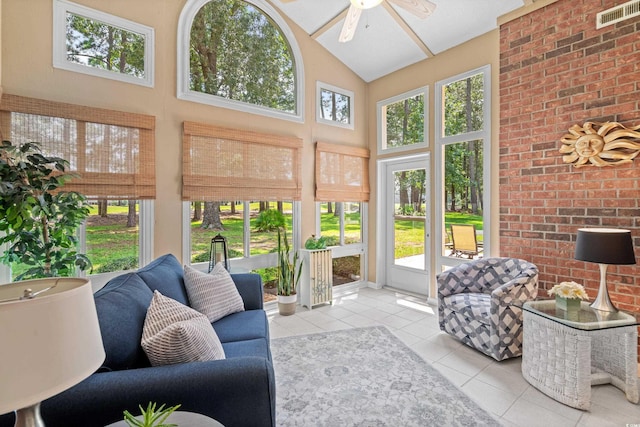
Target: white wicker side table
x,y
564,354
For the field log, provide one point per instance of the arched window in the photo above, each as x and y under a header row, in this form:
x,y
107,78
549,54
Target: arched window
x,y
241,55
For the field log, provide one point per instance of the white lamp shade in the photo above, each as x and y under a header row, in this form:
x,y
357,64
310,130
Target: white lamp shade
x,y
48,343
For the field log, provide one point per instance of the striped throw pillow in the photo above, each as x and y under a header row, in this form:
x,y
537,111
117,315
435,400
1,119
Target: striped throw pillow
x,y
214,294
174,333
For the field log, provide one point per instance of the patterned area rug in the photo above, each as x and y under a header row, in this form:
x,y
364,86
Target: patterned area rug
x,y
364,377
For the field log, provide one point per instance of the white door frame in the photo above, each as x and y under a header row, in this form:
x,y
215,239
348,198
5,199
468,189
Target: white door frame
x,y
384,258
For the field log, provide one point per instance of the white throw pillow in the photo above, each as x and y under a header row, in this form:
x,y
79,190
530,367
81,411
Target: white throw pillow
x,y
214,294
174,333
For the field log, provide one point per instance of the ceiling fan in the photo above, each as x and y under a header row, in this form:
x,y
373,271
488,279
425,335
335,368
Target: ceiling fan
x,y
420,8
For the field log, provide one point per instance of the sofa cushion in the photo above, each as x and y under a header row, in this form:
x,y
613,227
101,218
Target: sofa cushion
x,y
174,333
245,325
164,274
122,306
258,347
214,294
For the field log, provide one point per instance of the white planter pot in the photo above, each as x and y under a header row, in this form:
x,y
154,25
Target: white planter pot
x,y
287,304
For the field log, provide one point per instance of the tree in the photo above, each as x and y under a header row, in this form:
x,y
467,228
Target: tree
x,y
335,106
237,53
131,214
102,207
197,211
405,122
38,219
338,210
211,216
103,46
464,108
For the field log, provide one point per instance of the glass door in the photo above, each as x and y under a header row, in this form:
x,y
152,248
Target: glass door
x,y
407,224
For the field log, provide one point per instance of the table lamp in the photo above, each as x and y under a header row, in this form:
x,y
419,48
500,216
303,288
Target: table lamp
x,y
605,246
49,341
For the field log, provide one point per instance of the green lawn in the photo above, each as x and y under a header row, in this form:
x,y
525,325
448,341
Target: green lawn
x,y
114,246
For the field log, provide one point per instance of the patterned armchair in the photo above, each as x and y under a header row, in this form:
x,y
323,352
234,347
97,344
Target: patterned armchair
x,y
480,303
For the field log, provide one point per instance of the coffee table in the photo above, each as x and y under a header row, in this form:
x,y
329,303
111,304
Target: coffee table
x,y
565,353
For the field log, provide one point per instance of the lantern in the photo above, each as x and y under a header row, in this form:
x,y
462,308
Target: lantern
x,y
219,252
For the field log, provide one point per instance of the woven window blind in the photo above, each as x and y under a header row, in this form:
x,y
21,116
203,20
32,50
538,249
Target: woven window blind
x,y
222,164
112,152
342,173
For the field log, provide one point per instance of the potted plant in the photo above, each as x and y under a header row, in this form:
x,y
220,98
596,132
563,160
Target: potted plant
x,y
568,295
289,270
39,219
150,417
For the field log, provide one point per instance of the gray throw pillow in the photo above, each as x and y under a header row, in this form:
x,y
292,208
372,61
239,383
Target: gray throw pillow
x,y
213,294
174,333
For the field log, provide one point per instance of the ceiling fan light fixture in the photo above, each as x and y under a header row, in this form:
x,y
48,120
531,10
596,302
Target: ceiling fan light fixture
x,y
365,4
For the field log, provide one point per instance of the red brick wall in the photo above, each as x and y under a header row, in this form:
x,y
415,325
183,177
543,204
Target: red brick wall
x,y
557,70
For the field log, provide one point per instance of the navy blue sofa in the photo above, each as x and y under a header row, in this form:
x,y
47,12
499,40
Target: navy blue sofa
x,y
237,391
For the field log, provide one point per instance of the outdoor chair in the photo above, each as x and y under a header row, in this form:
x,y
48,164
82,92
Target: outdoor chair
x,y
464,240
480,303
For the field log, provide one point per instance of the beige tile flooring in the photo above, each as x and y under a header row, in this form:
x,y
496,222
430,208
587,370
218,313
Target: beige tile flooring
x,y
496,386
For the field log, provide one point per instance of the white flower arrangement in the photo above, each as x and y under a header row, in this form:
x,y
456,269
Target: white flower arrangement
x,y
569,290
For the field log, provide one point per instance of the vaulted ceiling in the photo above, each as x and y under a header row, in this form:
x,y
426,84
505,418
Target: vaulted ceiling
x,y
388,37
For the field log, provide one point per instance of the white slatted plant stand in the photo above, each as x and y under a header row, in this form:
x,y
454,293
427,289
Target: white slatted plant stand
x,y
316,282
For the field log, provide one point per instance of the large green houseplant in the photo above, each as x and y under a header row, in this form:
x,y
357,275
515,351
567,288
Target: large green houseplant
x,y
289,271
38,220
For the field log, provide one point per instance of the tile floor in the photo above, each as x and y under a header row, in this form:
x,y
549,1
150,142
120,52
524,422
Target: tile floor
x,y
496,386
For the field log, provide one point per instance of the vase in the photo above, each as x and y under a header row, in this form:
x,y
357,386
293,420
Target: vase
x,y
287,304
568,304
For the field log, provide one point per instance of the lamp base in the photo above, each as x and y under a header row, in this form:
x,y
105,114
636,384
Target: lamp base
x,y
29,417
602,301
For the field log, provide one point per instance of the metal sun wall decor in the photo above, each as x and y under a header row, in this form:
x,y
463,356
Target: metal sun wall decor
x,y
600,144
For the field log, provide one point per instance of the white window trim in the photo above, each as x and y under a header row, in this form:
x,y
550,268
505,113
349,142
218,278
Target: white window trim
x,y
321,85
187,15
441,141
248,262
382,122
60,9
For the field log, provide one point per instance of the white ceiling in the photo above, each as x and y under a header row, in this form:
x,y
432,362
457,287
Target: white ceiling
x,y
387,37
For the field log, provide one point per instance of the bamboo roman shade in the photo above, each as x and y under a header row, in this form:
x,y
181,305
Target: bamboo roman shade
x,y
221,164
112,152
342,173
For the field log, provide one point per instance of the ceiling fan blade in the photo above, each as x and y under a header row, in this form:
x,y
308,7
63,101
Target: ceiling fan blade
x,y
420,8
286,1
350,24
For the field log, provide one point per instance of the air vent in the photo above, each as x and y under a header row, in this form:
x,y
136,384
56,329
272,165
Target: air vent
x,y
618,13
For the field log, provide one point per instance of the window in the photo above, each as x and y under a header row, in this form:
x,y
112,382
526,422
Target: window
x,y
261,172
463,146
334,105
113,154
247,235
240,55
112,238
93,42
341,222
342,190
402,121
